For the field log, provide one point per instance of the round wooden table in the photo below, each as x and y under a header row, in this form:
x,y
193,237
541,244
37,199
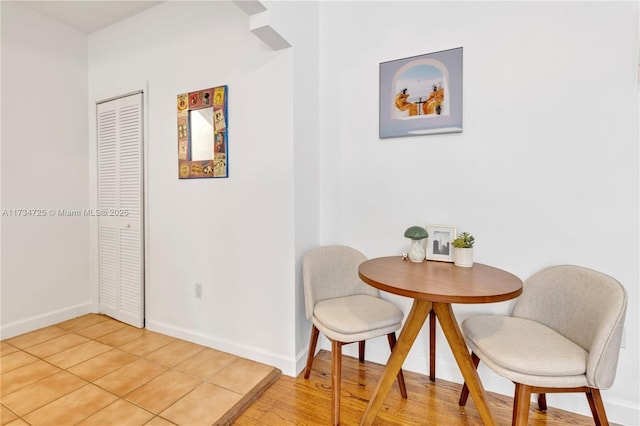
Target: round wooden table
x,y
436,285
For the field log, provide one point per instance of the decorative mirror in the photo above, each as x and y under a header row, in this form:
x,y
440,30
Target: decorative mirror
x,y
202,134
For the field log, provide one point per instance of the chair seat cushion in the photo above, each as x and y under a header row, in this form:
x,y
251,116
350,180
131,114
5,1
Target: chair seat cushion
x,y
519,347
357,317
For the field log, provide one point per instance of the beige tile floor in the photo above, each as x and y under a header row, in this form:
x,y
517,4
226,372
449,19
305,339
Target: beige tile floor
x,y
94,370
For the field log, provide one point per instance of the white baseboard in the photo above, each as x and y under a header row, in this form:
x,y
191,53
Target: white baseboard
x,y
301,361
44,320
285,364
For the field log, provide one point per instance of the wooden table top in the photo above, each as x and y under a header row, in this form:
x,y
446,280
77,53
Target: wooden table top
x,y
440,281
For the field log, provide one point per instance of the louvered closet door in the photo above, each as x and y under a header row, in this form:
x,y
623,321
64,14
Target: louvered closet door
x,y
120,209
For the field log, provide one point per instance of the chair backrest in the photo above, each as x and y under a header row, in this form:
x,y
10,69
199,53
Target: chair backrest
x,y
585,306
329,272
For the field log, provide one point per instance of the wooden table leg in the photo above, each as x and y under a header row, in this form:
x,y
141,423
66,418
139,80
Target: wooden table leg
x,y
454,336
410,330
432,345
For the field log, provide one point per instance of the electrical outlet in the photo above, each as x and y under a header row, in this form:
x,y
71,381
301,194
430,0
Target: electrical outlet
x,y
198,291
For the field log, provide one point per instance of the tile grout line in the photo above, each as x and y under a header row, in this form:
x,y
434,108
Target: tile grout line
x,y
112,347
75,375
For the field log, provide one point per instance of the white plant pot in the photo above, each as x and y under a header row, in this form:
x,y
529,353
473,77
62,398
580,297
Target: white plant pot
x,y
463,257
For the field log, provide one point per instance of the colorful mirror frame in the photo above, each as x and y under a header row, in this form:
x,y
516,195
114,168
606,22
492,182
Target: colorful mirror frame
x,y
216,167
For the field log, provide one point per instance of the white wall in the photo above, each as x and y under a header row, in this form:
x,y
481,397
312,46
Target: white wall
x,y
298,23
235,235
545,171
45,266
548,155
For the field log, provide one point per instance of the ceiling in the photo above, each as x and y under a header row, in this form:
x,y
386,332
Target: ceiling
x,y
89,16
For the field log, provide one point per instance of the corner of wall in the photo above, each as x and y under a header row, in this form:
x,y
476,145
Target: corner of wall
x,y
260,25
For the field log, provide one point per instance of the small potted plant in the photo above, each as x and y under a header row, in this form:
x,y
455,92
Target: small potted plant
x,y
463,250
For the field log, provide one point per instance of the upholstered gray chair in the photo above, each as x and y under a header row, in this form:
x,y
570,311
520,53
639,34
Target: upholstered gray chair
x,y
563,335
345,310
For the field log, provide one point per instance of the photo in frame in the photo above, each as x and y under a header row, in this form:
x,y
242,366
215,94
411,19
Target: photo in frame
x,y
421,95
439,245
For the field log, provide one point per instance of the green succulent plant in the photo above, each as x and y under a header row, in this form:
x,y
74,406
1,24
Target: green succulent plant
x,y
464,240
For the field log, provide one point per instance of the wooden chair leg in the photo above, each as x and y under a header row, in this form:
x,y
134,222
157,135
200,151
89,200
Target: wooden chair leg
x,y
597,407
312,350
432,345
391,337
336,372
361,351
464,395
521,404
542,401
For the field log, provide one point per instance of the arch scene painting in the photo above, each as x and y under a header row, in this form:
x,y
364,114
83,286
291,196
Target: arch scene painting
x,y
421,94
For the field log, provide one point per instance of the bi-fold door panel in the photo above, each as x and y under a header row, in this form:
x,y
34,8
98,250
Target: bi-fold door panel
x,y
120,209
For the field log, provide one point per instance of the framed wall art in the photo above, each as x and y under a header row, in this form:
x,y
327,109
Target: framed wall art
x,y
421,95
439,245
203,124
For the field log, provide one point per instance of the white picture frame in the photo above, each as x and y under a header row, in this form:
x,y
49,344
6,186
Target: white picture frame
x,y
439,242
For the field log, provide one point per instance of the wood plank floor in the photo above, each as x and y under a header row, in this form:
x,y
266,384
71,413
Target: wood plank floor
x,y
296,401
